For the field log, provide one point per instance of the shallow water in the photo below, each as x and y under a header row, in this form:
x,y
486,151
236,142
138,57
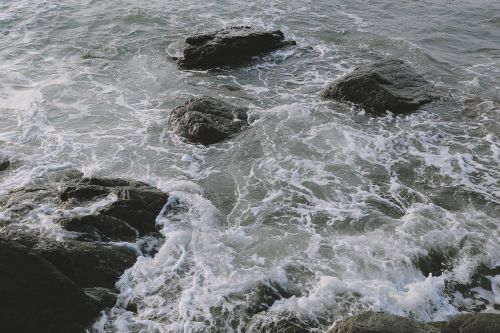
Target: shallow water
x,y
317,197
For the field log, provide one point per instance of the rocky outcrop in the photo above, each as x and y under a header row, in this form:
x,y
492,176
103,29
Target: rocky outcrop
x,y
229,46
388,84
133,214
440,260
61,286
130,214
377,322
87,264
38,297
206,120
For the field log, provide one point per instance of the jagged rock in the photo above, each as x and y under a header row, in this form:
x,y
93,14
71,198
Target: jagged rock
x,y
37,297
229,46
388,84
206,120
263,296
87,264
437,261
132,214
377,322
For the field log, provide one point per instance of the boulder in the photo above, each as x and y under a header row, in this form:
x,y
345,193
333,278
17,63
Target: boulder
x,y
388,84
263,295
377,322
130,215
136,208
206,120
37,297
4,164
87,264
229,46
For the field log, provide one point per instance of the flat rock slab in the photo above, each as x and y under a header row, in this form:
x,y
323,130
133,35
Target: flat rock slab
x,y
207,120
377,322
229,46
388,84
474,323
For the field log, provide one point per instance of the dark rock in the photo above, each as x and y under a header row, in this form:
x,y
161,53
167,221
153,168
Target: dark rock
x,y
133,214
436,261
4,164
37,297
280,323
100,227
388,84
103,296
88,264
475,323
376,322
206,120
230,46
263,296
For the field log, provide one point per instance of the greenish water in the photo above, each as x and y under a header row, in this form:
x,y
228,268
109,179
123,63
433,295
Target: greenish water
x,y
330,203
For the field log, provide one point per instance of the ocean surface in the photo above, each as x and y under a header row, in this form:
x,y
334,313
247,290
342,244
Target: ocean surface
x,y
317,199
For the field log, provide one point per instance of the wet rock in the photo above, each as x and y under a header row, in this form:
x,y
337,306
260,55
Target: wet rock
x,y
263,296
474,323
280,323
87,264
436,261
229,46
377,322
100,228
388,84
103,296
37,297
206,120
137,205
4,164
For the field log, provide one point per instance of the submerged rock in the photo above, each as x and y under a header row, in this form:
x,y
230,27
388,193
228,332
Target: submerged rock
x,y
376,322
206,120
37,297
229,46
388,84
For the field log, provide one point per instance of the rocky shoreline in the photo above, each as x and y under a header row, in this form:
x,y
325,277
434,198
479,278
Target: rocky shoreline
x,y
62,286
